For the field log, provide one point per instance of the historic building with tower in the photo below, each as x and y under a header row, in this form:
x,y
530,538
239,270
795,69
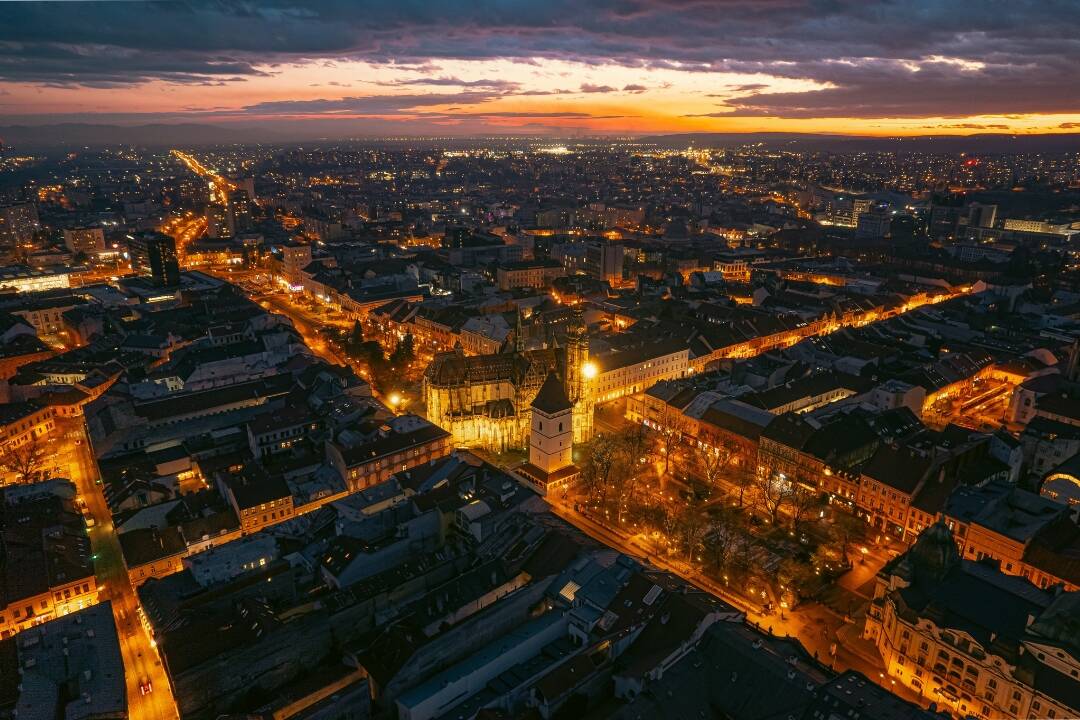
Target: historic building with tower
x,y
486,400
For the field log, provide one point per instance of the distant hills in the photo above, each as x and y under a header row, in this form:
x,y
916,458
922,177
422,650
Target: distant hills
x,y
977,143
63,135
154,135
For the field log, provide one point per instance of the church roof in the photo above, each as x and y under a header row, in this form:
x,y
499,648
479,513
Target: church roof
x,y
552,396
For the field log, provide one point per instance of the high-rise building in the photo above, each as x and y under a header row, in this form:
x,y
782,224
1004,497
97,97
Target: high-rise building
x,y
873,224
604,260
85,239
18,225
239,212
980,215
217,221
154,253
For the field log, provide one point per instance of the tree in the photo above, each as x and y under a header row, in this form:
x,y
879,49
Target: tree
x,y
773,494
25,460
356,335
726,525
846,529
742,477
598,463
797,577
405,352
670,425
691,527
712,463
803,504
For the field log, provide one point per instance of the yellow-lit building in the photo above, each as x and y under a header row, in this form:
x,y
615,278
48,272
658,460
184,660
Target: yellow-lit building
x,y
485,400
48,570
972,640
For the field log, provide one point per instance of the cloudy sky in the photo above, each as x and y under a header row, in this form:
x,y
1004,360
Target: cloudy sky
x,y
551,66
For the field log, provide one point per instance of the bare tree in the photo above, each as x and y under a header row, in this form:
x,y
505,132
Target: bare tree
x,y
846,530
712,463
25,460
691,526
803,503
670,426
773,493
742,476
600,459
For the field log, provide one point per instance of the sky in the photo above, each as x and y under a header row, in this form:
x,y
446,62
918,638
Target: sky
x,y
551,67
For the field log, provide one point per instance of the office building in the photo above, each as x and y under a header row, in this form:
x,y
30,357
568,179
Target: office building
x,y
154,254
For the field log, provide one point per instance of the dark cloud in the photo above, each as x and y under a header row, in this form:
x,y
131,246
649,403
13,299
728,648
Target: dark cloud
x,y
589,88
970,126
875,58
633,88
365,104
452,82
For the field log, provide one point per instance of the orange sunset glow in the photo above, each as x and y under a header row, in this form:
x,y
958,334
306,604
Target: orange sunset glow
x,y
528,68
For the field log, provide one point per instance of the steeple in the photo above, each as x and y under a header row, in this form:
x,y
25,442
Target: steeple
x,y
519,334
578,373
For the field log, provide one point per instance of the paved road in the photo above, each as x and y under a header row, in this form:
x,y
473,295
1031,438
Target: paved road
x,y
141,661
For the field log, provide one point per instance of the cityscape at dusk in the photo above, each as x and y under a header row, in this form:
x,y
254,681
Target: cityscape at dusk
x,y
505,360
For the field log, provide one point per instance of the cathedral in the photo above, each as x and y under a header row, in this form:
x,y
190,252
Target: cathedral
x,y
486,400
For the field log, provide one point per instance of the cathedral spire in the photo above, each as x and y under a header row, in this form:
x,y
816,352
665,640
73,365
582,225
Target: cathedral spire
x,y
519,334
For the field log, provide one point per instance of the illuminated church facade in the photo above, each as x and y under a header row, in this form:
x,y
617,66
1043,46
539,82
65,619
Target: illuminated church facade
x,y
487,400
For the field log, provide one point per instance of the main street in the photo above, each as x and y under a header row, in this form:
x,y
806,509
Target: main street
x,y
219,186
142,665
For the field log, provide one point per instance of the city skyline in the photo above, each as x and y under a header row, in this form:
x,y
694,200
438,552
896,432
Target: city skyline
x,y
351,70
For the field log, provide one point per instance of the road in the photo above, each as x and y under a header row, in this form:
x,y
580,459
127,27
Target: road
x,y
141,661
184,229
818,628
219,186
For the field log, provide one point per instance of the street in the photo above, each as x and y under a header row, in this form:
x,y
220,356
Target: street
x,y
141,661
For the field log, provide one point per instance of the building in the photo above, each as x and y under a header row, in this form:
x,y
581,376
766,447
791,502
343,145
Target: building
x,y
873,224
154,254
259,499
24,279
636,369
551,439
238,217
485,400
536,274
71,669
217,221
47,570
972,639
1024,533
408,441
18,225
24,422
84,239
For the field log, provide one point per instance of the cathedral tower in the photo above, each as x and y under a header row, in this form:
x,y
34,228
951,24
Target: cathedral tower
x,y
551,436
580,372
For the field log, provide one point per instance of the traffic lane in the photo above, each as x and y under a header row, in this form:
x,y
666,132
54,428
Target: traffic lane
x,y
141,662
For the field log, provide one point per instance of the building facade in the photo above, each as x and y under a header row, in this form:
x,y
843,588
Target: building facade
x,y
485,400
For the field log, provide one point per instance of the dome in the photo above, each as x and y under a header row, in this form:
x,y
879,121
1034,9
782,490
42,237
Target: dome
x,y
934,554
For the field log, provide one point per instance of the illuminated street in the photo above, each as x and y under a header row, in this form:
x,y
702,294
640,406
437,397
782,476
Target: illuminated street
x,y
141,661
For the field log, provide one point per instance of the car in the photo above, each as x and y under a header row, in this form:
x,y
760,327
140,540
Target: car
x,y
146,687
